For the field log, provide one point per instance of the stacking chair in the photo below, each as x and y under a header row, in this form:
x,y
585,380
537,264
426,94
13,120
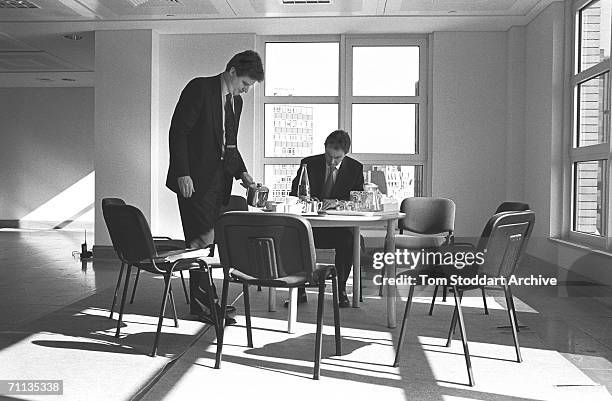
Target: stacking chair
x,y
135,247
503,207
508,234
430,223
162,244
272,250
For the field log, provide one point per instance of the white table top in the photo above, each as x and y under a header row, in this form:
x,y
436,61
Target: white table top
x,y
334,220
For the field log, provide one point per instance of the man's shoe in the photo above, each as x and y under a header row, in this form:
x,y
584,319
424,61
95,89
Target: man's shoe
x,y
343,300
204,318
301,299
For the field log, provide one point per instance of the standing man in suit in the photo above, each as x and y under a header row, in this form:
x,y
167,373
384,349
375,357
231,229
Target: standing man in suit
x,y
332,176
204,157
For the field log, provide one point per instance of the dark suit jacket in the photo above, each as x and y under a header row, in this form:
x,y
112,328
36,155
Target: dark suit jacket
x,y
196,136
349,178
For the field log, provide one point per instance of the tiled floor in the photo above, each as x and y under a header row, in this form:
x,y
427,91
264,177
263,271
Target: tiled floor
x,y
39,275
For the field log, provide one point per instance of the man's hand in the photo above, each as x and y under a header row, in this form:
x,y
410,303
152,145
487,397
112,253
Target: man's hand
x,y
247,180
329,204
185,185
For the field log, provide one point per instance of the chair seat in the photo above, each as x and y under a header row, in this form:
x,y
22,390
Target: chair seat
x,y
295,280
163,245
418,241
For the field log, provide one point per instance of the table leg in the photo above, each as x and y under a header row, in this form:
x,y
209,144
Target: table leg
x,y
390,272
272,299
292,318
356,265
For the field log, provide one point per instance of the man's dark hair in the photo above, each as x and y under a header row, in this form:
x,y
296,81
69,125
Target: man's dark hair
x,y
247,63
340,138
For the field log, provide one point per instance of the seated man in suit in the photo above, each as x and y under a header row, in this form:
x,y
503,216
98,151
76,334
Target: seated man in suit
x,y
332,176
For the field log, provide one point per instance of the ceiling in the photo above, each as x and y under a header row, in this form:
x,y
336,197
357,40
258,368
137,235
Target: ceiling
x,y
107,10
33,47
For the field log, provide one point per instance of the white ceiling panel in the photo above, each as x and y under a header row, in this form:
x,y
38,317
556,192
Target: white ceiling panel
x,y
162,8
278,8
32,61
461,7
43,10
10,44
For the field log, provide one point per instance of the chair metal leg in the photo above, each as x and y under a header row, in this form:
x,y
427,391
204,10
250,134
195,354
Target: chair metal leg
x,y
518,326
433,300
173,307
123,298
466,350
361,289
161,313
319,335
381,286
116,290
513,322
247,313
484,300
403,329
222,328
336,304
184,287
453,325
135,285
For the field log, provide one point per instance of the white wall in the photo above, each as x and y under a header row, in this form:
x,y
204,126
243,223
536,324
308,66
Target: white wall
x,y
469,124
181,58
46,147
543,124
123,120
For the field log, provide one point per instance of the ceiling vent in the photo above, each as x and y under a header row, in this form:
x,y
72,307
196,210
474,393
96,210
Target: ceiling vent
x,y
299,2
17,4
155,3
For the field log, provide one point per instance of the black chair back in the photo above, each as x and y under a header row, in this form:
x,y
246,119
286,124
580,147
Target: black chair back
x,y
509,233
512,207
130,233
266,246
425,215
106,202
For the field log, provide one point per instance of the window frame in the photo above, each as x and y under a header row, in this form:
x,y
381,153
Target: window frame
x,y
575,154
345,100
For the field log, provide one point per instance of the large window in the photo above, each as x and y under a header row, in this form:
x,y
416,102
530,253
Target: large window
x,y
591,152
374,88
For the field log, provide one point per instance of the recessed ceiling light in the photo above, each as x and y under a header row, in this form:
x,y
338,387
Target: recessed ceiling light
x,y
69,79
73,36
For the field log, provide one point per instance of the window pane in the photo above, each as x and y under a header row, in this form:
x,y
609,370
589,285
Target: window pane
x,y
592,122
277,178
302,69
395,181
588,201
371,66
298,130
595,22
384,128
